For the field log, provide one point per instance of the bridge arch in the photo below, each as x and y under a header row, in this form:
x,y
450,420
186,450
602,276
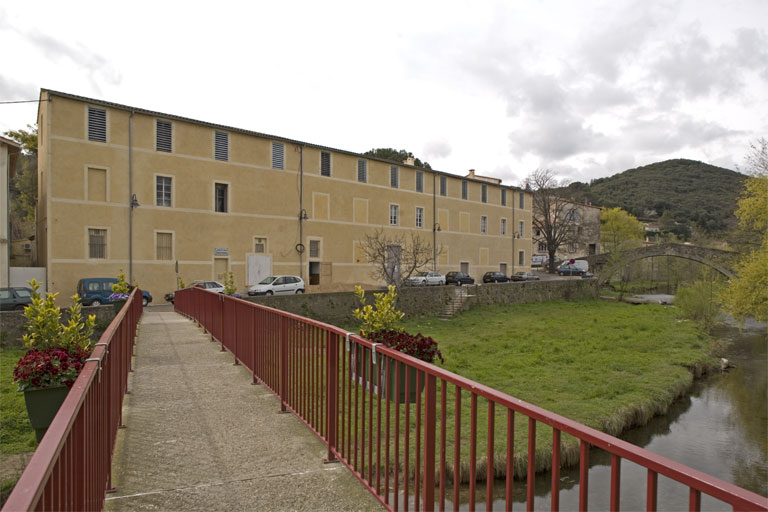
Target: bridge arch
x,y
718,259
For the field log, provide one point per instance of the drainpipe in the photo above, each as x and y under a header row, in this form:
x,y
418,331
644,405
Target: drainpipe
x,y
434,222
514,235
130,198
302,215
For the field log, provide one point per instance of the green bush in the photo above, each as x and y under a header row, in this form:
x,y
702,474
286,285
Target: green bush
x,y
698,302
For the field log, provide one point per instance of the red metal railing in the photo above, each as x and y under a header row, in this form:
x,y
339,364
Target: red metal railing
x,y
356,396
71,468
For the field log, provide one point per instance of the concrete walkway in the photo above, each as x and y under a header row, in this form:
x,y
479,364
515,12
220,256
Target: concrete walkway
x,y
199,436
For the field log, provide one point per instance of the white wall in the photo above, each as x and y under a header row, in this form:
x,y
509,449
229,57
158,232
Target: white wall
x,y
20,276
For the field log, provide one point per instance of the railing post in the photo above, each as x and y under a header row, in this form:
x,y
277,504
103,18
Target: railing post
x,y
283,364
332,390
430,413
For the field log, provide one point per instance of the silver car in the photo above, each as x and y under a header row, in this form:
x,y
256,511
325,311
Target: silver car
x,y
426,278
278,285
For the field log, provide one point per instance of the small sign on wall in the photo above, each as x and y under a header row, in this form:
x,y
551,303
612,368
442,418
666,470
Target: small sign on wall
x,y
221,251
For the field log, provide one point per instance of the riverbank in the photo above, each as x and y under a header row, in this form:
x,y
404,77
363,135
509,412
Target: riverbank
x,y
611,366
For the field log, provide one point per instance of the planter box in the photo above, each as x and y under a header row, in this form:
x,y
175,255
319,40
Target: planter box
x,y
360,375
42,406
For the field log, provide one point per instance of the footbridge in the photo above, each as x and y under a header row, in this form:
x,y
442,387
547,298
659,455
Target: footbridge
x,y
718,259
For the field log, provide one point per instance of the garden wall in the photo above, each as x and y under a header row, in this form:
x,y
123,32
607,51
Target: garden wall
x,y
336,308
12,323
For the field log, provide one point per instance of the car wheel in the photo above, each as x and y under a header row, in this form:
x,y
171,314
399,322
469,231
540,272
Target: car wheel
x,y
144,301
19,307
299,291
96,302
424,283
269,292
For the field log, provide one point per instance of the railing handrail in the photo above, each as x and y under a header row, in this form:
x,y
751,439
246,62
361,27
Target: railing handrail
x,y
31,485
738,497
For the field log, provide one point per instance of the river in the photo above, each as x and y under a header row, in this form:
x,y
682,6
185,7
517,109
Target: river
x,y
720,428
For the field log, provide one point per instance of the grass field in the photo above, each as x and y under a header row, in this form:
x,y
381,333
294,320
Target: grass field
x,y
605,364
16,434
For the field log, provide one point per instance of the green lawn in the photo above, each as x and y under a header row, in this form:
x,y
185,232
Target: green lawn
x,y
16,434
605,364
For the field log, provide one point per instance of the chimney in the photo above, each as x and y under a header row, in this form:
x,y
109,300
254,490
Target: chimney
x,y
471,173
408,161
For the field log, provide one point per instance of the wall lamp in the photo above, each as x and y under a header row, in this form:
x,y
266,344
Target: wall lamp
x,y
436,227
134,201
303,214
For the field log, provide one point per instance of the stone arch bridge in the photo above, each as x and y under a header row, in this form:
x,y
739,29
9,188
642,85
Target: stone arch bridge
x,y
722,261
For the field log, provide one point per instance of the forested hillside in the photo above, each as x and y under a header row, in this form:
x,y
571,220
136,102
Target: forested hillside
x,y
680,195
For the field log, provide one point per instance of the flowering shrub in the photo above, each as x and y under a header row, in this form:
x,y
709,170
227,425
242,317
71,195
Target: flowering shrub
x,y
49,367
43,323
382,316
121,286
418,346
229,284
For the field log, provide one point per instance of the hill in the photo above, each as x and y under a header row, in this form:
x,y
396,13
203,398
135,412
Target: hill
x,y
678,194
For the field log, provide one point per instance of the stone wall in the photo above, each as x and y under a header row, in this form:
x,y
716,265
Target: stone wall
x,y
336,308
12,323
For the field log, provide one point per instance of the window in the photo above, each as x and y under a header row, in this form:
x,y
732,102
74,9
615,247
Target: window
x,y
362,171
97,243
325,163
483,224
259,245
220,197
419,217
221,146
163,191
278,155
419,181
503,197
542,247
484,196
97,124
164,244
571,247
521,258
393,210
314,248
503,227
443,185
394,176
164,136
464,189
572,216
522,200
521,232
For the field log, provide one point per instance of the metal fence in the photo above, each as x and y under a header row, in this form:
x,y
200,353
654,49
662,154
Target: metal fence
x,y
417,436
71,467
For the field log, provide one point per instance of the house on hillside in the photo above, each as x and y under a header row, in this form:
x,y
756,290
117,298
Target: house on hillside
x,y
582,238
125,187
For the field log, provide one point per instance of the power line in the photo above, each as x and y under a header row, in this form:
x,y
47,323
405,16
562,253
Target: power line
x,y
23,101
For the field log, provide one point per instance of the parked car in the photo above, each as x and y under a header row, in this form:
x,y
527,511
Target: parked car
x,y
426,278
169,297
211,286
95,291
458,278
524,276
15,298
495,277
567,269
278,285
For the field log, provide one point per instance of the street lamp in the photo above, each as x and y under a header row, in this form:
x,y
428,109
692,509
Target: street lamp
x,y
435,229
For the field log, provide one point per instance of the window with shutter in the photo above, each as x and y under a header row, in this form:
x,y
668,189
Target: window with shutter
x,y
220,197
325,163
503,227
394,176
221,146
503,197
164,244
522,200
443,186
393,211
419,181
521,232
278,155
485,193
164,136
314,248
419,217
483,224
97,124
362,171
97,243
464,189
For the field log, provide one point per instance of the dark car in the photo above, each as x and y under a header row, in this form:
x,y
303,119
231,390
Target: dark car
x,y
495,277
15,298
570,270
458,278
95,291
169,297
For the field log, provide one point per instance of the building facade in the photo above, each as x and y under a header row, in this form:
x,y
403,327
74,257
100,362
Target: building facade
x,y
156,194
582,238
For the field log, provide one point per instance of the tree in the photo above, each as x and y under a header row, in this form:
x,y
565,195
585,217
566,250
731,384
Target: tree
x,y
554,217
23,186
746,295
619,231
396,257
396,156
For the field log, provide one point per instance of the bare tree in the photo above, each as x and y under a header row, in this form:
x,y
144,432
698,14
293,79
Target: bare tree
x,y
396,256
554,217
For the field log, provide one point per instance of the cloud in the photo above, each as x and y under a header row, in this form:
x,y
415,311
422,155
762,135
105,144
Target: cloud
x,y
12,90
437,149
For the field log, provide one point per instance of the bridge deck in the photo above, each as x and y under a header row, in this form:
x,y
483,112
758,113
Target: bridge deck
x,y
199,436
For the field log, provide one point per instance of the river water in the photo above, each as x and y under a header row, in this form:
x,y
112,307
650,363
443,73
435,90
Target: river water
x,y
720,428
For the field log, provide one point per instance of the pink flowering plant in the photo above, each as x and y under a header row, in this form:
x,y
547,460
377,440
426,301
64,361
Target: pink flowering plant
x,y
418,346
57,351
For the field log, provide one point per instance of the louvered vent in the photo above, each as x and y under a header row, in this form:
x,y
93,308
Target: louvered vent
x,y
164,136
362,171
97,124
221,146
278,155
325,163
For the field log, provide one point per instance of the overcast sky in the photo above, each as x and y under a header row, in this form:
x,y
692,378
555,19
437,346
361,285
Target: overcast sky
x,y
585,88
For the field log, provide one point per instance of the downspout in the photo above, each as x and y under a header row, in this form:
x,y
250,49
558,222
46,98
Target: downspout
x,y
434,222
302,214
130,198
514,234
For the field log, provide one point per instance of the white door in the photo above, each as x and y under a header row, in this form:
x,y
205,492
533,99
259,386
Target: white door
x,y
258,266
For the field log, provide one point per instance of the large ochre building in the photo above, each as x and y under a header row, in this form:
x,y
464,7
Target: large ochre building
x,y
124,187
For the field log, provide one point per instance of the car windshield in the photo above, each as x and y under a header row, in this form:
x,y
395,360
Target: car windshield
x,y
267,280
421,274
23,293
